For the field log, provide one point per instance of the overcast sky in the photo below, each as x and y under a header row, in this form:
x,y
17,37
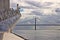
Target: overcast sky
x,y
28,13
34,4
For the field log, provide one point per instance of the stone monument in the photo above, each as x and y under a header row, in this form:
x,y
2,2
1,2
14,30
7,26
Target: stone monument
x,y
8,17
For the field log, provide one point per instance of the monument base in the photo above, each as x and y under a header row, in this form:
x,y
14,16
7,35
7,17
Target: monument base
x,y
9,36
1,36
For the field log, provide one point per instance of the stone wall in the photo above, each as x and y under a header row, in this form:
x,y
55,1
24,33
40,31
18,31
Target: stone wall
x,y
1,36
4,4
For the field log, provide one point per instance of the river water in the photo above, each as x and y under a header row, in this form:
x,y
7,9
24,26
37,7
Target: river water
x,y
43,34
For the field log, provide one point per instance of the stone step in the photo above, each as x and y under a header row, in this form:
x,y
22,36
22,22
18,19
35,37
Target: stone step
x,y
10,36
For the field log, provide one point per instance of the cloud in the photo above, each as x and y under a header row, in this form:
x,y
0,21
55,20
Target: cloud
x,y
48,16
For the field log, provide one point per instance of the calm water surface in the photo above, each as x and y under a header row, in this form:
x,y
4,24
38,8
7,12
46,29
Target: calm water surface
x,y
48,33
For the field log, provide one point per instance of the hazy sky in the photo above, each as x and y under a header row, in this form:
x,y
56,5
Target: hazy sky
x,y
27,11
20,1
36,0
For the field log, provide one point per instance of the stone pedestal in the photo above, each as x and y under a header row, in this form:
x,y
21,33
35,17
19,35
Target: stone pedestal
x,y
10,36
1,36
4,4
